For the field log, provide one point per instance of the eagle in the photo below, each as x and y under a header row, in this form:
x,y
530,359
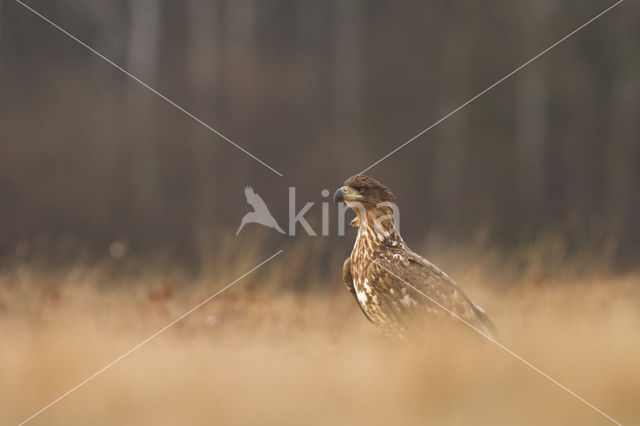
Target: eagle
x,y
397,289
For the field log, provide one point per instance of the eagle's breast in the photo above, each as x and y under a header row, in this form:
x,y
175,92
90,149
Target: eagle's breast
x,y
372,292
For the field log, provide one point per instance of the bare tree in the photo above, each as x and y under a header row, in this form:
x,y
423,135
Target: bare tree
x,y
143,37
620,153
142,62
456,71
204,57
239,33
240,17
622,141
204,44
348,70
1,29
532,109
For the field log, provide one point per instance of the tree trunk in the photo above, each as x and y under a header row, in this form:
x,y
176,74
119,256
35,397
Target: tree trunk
x,y
204,56
622,153
532,111
239,60
348,68
204,46
449,154
1,30
142,62
621,168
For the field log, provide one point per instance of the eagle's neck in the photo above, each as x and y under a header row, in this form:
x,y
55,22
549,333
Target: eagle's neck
x,y
377,229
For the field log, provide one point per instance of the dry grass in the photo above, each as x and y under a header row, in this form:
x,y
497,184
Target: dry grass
x,y
286,357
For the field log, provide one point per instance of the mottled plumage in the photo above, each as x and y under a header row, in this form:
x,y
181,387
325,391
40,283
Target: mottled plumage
x,y
387,278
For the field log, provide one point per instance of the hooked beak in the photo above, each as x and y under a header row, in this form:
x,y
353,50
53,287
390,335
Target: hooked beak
x,y
345,193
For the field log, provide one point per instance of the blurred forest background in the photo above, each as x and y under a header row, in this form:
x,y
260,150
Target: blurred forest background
x,y
118,212
319,90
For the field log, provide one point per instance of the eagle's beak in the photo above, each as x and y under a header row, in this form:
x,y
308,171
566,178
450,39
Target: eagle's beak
x,y
340,195
345,194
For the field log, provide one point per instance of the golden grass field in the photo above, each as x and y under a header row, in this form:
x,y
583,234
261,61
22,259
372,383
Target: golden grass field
x,y
265,353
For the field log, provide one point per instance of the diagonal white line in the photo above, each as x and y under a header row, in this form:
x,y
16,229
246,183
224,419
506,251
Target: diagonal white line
x,y
145,85
136,347
506,349
492,86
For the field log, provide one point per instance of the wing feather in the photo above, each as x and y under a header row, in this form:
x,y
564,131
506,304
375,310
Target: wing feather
x,y
429,290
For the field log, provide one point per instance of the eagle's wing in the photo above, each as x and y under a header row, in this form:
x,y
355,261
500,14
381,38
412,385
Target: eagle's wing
x,y
413,285
348,280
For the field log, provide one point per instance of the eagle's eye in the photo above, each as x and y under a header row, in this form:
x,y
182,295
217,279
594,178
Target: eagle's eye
x,y
360,189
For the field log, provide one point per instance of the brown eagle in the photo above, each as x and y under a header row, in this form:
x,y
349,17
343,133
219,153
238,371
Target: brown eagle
x,y
396,288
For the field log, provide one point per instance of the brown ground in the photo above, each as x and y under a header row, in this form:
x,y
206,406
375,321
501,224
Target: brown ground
x,y
278,357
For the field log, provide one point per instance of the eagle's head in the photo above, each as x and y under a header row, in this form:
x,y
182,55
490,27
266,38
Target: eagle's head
x,y
363,190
